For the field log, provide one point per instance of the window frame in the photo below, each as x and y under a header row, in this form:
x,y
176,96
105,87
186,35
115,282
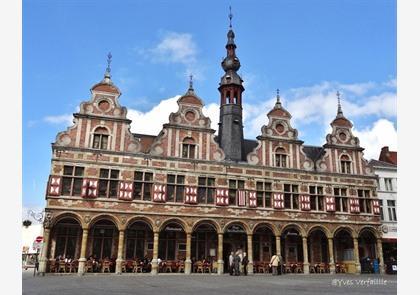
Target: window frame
x,y
291,197
142,183
111,183
265,193
209,189
178,188
73,178
318,197
342,200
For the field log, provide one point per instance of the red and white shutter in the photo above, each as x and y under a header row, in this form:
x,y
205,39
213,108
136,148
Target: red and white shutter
x,y
222,197
54,186
125,190
252,199
330,204
190,195
278,201
305,202
89,188
159,192
241,197
354,205
376,207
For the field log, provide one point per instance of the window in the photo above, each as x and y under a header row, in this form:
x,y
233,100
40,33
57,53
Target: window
x,y
388,184
291,196
345,164
175,188
341,202
391,210
66,240
381,209
364,201
100,138
143,182
108,183
280,158
206,190
316,194
234,185
72,181
188,148
264,194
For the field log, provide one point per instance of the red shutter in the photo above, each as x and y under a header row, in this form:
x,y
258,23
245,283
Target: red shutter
x,y
330,203
125,190
376,207
190,195
241,197
278,201
252,196
354,205
89,188
222,197
305,202
54,186
159,193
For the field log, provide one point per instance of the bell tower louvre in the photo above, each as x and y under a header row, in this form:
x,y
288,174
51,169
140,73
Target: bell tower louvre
x,y
230,137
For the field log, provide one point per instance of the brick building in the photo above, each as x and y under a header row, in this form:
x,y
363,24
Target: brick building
x,y
187,194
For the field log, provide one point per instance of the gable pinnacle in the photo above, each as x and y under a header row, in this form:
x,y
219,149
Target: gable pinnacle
x,y
339,110
191,83
107,75
278,103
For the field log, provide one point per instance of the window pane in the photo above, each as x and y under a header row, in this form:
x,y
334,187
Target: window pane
x,y
171,193
103,186
202,181
232,183
267,200
201,194
210,181
312,190
68,170
241,184
287,200
210,195
192,151
104,142
138,175
65,190
295,202
148,176
179,194
259,186
180,179
320,203
96,140
115,174
104,173
185,150
260,196
171,178
113,187
137,190
77,186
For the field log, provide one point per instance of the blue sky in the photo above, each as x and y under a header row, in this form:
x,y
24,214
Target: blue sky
x,y
308,49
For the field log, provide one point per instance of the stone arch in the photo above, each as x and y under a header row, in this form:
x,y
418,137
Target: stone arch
x,y
106,216
67,214
320,227
350,230
212,222
296,226
370,229
181,222
241,223
274,229
144,219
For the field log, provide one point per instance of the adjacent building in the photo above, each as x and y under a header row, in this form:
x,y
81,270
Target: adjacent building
x,y
186,193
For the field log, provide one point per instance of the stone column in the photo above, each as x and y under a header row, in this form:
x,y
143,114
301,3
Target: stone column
x,y
305,255
220,254
356,255
155,266
52,248
188,255
331,253
43,260
82,258
380,255
250,256
278,246
120,253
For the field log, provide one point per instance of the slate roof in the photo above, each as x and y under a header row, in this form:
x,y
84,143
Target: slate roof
x,y
313,152
377,163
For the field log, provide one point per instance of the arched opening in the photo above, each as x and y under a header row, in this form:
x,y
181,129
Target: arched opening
x,y
172,246
345,163
280,157
100,138
228,99
318,255
292,250
188,148
204,248
66,240
234,240
344,251
367,251
263,247
138,247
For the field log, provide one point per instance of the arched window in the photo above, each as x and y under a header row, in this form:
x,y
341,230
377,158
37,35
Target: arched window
x,y
188,148
280,158
345,164
100,138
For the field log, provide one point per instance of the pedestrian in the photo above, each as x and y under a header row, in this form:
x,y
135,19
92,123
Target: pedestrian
x,y
231,263
236,263
274,263
245,262
280,268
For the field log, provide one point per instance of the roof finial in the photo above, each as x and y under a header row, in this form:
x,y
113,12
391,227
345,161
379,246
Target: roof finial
x,y
339,110
278,103
230,17
107,75
191,83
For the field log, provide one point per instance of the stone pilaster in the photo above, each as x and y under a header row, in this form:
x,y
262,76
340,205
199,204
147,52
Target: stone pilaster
x,y
155,266
379,254
250,256
356,255
82,259
120,252
43,260
220,254
188,255
305,255
331,253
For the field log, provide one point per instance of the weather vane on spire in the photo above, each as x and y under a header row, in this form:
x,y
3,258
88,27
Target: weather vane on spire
x,y
230,17
108,68
339,111
278,95
191,82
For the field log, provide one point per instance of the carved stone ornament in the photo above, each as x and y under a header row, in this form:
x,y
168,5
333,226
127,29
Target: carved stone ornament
x,y
264,213
123,220
343,217
237,212
87,218
292,215
157,221
47,220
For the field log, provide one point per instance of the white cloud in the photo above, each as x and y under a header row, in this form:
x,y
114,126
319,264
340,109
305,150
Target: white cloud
x,y
60,119
212,111
382,133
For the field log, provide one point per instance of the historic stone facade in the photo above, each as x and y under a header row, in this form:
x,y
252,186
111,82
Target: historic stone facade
x,y
179,196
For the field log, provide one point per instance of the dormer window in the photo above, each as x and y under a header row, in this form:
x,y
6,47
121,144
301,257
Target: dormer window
x,y
188,148
345,164
100,138
280,158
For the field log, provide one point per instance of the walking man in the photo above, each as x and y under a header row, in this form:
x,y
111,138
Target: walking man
x,y
245,262
274,263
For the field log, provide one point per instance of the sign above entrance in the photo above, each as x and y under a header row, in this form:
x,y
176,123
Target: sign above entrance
x,y
235,229
170,228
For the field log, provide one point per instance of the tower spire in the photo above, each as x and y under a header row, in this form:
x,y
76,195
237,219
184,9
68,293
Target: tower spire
x,y
339,110
278,103
107,75
191,88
